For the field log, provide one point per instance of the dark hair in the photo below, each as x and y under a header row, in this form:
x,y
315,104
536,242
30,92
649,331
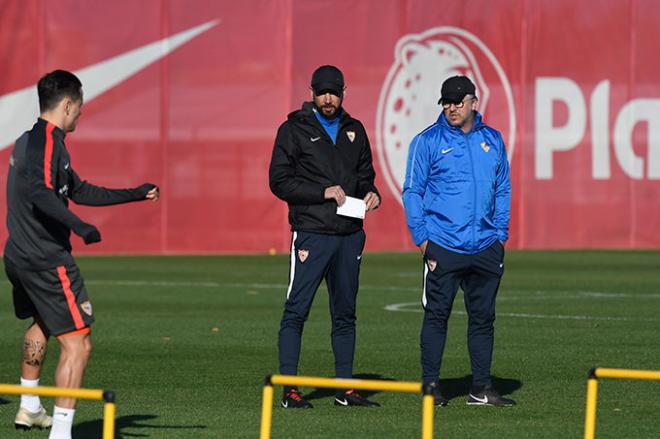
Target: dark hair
x,y
55,86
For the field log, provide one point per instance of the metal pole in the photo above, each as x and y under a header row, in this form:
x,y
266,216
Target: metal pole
x,y
592,399
339,383
12,389
602,372
109,414
427,413
266,408
109,411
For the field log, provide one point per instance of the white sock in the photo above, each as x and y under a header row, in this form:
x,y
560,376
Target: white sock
x,y
62,422
31,403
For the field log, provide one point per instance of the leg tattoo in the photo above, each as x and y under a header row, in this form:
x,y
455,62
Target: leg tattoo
x,y
33,352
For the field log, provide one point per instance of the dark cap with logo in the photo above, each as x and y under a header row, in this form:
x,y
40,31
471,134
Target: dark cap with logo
x,y
328,79
456,88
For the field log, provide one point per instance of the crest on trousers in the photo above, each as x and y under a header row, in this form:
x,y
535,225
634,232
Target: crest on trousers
x,y
86,307
432,263
485,146
303,253
350,135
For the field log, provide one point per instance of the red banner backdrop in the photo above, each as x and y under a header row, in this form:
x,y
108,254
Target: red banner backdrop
x,y
189,95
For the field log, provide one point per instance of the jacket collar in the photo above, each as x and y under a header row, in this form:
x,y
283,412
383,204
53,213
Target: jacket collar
x,y
57,132
306,113
478,123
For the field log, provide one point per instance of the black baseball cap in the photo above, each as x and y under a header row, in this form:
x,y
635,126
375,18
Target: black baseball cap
x,y
328,79
456,88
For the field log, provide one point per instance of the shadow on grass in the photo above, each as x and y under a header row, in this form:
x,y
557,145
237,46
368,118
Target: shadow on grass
x,y
455,387
95,428
326,393
4,401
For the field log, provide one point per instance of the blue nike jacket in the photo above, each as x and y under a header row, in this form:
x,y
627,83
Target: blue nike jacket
x,y
457,190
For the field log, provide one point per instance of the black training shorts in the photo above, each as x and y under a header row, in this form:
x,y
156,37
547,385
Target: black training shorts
x,y
57,296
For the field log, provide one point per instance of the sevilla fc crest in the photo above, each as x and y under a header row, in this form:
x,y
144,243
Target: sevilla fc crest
x,y
350,135
86,307
432,263
303,253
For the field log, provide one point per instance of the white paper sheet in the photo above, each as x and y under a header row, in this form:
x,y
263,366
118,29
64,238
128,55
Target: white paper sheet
x,y
353,207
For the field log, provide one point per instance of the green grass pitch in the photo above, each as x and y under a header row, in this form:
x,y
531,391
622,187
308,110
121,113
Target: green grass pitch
x,y
559,314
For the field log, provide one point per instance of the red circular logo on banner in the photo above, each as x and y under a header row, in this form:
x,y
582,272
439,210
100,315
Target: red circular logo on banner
x,y
409,98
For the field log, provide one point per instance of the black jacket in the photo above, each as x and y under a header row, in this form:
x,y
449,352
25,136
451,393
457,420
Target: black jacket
x,y
305,162
39,183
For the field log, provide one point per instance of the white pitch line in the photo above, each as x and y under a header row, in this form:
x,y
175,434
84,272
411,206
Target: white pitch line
x,y
405,307
177,284
147,283
503,296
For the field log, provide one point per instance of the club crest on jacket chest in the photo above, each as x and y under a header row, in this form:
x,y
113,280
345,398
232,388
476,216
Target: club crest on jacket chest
x,y
350,135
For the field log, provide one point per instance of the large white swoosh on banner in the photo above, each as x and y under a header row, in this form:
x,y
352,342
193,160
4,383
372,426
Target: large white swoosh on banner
x,y
19,109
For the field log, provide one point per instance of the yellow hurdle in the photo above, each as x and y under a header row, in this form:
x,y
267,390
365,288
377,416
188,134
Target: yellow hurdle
x,y
337,383
109,408
592,391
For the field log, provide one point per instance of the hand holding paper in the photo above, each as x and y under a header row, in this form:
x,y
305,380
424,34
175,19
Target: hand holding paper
x,y
372,200
335,193
352,207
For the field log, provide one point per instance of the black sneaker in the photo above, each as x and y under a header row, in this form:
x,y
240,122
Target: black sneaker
x,y
294,400
438,399
352,397
487,395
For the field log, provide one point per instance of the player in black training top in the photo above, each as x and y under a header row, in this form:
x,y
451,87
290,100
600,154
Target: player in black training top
x,y
47,285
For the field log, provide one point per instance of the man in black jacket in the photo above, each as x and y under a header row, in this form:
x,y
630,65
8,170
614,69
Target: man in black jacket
x,y
47,285
321,156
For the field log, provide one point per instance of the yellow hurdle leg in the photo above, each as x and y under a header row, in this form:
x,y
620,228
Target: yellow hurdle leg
x,y
427,416
109,415
266,409
590,416
109,412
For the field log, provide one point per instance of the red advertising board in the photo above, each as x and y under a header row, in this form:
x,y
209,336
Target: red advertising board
x,y
189,95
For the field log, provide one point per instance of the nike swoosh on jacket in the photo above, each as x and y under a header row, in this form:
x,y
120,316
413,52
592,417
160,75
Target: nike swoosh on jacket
x,y
459,200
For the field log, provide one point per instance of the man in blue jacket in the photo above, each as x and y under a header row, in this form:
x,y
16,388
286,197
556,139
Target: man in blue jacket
x,y
457,196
